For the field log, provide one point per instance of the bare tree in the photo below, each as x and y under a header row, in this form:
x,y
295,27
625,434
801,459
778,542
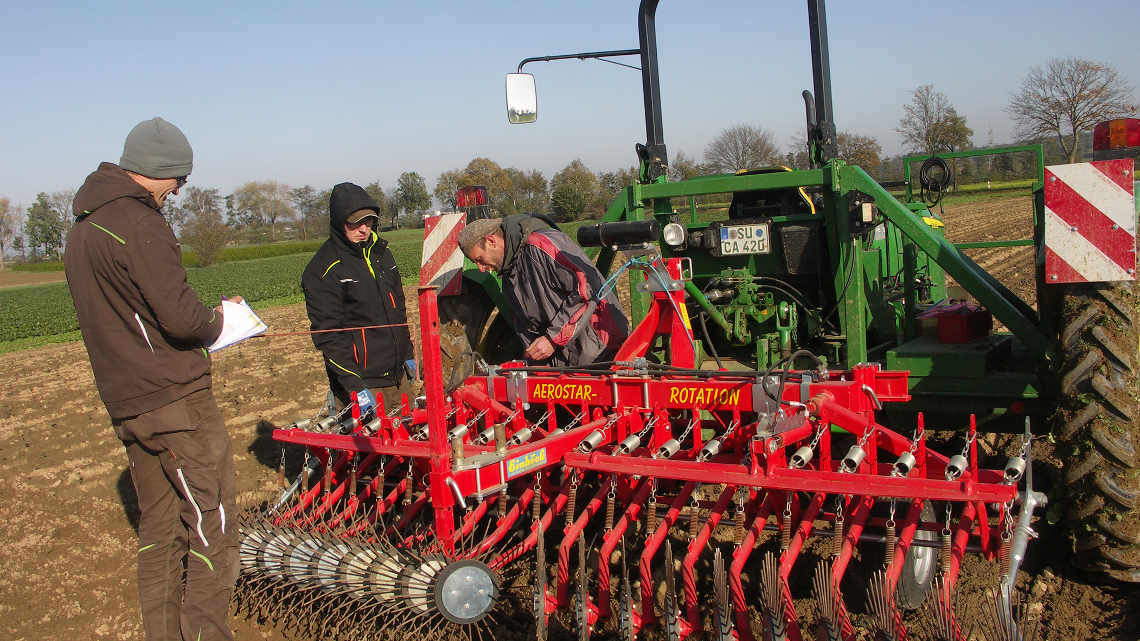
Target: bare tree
x,y
853,148
863,151
264,204
63,202
446,187
413,197
10,219
203,229
742,147
572,190
529,192
1069,95
312,209
931,124
684,167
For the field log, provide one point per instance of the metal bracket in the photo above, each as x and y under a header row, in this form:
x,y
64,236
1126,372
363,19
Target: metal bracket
x,y
516,388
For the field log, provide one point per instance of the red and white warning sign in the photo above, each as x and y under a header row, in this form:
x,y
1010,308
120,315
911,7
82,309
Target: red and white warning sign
x,y
1090,222
442,261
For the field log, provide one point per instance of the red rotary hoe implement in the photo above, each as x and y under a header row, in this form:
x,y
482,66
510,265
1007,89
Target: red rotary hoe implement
x,y
445,516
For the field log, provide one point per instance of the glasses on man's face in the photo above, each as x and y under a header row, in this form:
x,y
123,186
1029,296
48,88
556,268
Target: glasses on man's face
x,y
179,182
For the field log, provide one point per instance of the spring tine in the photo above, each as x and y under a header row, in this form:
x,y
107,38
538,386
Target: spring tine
x,y
540,586
722,624
939,612
582,609
628,632
828,604
1005,617
772,599
672,610
884,613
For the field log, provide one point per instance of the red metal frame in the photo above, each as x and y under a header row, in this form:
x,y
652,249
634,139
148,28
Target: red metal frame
x,y
657,405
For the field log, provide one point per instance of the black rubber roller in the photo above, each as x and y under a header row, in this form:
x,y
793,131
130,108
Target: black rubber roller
x,y
630,232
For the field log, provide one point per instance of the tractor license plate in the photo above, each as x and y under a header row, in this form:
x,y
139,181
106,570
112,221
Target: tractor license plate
x,y
744,239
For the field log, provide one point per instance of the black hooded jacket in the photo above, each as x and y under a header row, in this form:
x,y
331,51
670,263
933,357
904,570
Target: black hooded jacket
x,y
350,285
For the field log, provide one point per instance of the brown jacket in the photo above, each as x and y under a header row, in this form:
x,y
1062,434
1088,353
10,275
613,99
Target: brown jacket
x,y
143,326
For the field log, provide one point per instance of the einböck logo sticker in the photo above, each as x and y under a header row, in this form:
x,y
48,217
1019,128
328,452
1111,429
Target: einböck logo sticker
x,y
526,463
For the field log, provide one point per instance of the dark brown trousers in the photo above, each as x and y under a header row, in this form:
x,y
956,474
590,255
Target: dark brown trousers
x,y
182,465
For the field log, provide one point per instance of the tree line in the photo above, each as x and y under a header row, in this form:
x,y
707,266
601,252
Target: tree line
x,y
1056,105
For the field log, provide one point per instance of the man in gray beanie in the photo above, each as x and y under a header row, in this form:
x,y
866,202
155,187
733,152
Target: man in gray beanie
x,y
146,335
552,288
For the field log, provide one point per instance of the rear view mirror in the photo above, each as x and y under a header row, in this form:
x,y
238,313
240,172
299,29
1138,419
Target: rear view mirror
x,y
522,101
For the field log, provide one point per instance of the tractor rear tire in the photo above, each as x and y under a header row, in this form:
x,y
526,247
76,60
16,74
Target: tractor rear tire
x,y
469,324
1096,427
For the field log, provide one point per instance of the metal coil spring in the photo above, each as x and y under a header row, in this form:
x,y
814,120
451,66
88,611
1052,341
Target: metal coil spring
x,y
891,541
785,535
281,476
738,531
837,539
536,506
1003,552
305,478
351,487
694,521
651,517
408,490
571,505
502,502
944,556
327,486
610,512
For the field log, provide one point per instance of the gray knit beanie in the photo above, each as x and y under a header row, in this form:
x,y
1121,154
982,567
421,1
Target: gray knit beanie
x,y
476,231
157,149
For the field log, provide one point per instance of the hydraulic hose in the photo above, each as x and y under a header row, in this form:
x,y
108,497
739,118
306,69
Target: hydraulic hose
x,y
715,315
708,341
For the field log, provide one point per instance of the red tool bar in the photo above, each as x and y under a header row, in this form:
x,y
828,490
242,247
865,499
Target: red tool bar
x,y
367,444
725,393
806,480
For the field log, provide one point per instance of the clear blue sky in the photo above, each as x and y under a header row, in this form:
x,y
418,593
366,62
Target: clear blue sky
x,y
319,93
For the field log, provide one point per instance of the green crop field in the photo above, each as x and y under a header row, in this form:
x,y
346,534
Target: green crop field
x,y
38,314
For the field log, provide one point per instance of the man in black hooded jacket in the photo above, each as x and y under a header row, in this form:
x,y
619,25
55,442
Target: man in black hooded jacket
x,y
352,284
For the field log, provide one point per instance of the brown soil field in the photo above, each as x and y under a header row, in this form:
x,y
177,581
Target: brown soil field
x,y
998,219
68,509
9,278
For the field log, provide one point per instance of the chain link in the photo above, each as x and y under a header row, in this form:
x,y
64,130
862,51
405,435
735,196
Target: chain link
x,y
969,441
648,426
1024,451
572,423
919,434
815,439
542,420
692,424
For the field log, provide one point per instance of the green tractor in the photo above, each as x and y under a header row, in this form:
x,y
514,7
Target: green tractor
x,y
830,261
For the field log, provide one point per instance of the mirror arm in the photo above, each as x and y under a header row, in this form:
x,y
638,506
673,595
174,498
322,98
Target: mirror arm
x,y
583,56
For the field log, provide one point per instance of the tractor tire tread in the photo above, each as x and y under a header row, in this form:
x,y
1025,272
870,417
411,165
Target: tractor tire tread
x,y
1097,437
1118,447
1107,482
1084,467
1119,530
